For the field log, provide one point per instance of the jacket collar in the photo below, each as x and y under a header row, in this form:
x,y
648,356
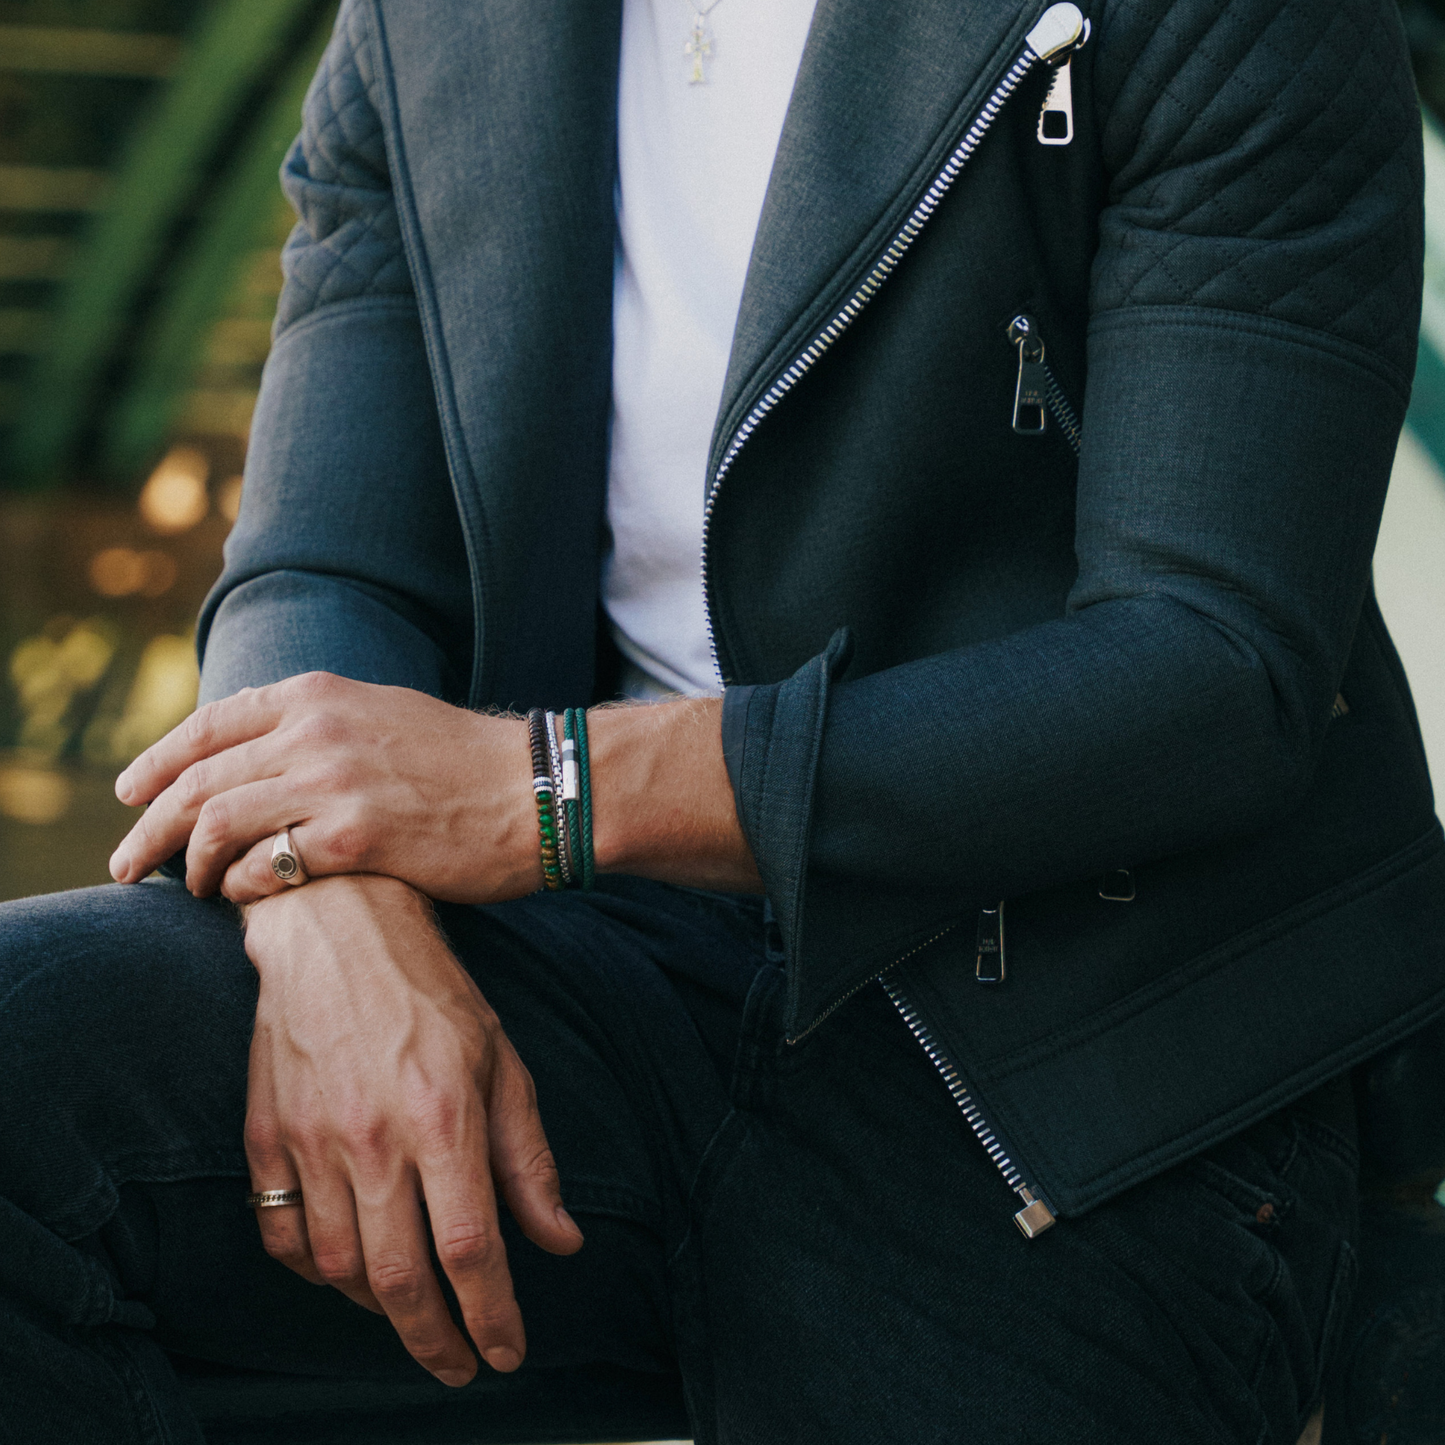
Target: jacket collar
x,y
885,90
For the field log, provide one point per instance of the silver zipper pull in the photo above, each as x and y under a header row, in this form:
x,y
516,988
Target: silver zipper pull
x,y
1034,1217
1056,119
990,967
1031,393
1060,28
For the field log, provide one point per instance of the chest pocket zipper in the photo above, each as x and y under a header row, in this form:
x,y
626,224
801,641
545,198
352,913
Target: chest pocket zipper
x,y
1037,393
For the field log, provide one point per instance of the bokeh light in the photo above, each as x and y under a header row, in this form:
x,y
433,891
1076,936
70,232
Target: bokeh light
x,y
49,670
123,572
163,694
116,572
34,795
228,499
174,499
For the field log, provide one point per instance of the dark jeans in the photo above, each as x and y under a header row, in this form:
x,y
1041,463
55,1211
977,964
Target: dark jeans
x,y
809,1232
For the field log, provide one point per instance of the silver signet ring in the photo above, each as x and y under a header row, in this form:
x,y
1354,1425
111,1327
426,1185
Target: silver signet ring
x,y
286,861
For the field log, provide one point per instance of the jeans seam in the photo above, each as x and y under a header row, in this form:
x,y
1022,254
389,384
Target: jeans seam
x,y
150,1426
732,1121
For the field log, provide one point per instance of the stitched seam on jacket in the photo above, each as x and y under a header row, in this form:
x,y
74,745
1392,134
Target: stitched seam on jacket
x,y
345,309
1118,1177
460,466
1273,327
1415,854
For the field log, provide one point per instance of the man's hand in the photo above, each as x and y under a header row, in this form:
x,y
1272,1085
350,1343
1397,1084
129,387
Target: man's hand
x,y
382,1085
369,779
385,780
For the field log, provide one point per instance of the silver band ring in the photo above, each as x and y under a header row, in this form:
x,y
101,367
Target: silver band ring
x,y
286,861
273,1198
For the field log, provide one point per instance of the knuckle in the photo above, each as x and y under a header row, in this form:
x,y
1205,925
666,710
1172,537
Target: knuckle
x,y
239,884
396,1278
436,1120
431,1351
467,1247
305,1136
336,1264
493,1319
315,685
262,1138
193,785
285,1248
366,1134
348,845
537,1166
335,776
200,727
213,823
320,732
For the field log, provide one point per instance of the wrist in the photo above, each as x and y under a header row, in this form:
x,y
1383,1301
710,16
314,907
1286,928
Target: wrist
x,y
334,906
662,803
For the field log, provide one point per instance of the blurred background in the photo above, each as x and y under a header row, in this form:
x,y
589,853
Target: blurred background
x,y
140,234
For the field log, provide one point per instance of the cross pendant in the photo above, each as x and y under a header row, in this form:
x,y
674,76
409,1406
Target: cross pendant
x,y
697,47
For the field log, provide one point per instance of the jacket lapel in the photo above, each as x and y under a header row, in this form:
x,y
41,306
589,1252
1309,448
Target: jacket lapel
x,y
885,90
501,122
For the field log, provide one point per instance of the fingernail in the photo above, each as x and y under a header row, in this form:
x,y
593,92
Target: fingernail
x,y
456,1378
567,1222
502,1359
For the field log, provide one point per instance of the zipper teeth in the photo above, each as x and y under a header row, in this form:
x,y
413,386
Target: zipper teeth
x,y
1063,412
872,978
848,313
956,1087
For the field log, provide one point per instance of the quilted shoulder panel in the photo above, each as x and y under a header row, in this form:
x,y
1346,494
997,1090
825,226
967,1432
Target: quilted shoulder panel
x,y
347,240
1265,157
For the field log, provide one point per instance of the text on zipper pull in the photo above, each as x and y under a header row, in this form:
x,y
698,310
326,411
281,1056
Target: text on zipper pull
x,y
989,967
1031,390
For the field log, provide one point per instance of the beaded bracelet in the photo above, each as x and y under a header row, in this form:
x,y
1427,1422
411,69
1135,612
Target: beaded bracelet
x,y
542,788
559,805
576,727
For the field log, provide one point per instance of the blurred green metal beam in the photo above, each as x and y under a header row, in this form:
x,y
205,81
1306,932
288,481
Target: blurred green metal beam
x,y
22,330
34,258
61,50
51,188
244,206
163,169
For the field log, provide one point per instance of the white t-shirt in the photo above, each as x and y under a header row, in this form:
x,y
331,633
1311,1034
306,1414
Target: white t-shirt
x,y
694,162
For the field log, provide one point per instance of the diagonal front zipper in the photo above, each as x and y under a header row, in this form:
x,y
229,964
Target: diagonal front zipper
x,y
1036,1215
1060,30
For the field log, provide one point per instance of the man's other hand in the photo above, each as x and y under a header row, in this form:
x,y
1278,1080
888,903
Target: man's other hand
x,y
382,1085
369,779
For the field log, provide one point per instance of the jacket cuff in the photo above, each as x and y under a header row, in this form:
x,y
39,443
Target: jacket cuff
x,y
734,734
772,738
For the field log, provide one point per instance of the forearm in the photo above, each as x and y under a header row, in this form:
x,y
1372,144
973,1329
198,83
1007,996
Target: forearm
x,y
663,806
387,780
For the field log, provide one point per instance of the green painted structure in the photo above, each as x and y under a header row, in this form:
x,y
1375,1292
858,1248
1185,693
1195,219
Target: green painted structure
x,y
139,144
112,275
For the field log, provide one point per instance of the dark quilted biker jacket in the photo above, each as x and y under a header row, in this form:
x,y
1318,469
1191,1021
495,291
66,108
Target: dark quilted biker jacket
x,y
1040,513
